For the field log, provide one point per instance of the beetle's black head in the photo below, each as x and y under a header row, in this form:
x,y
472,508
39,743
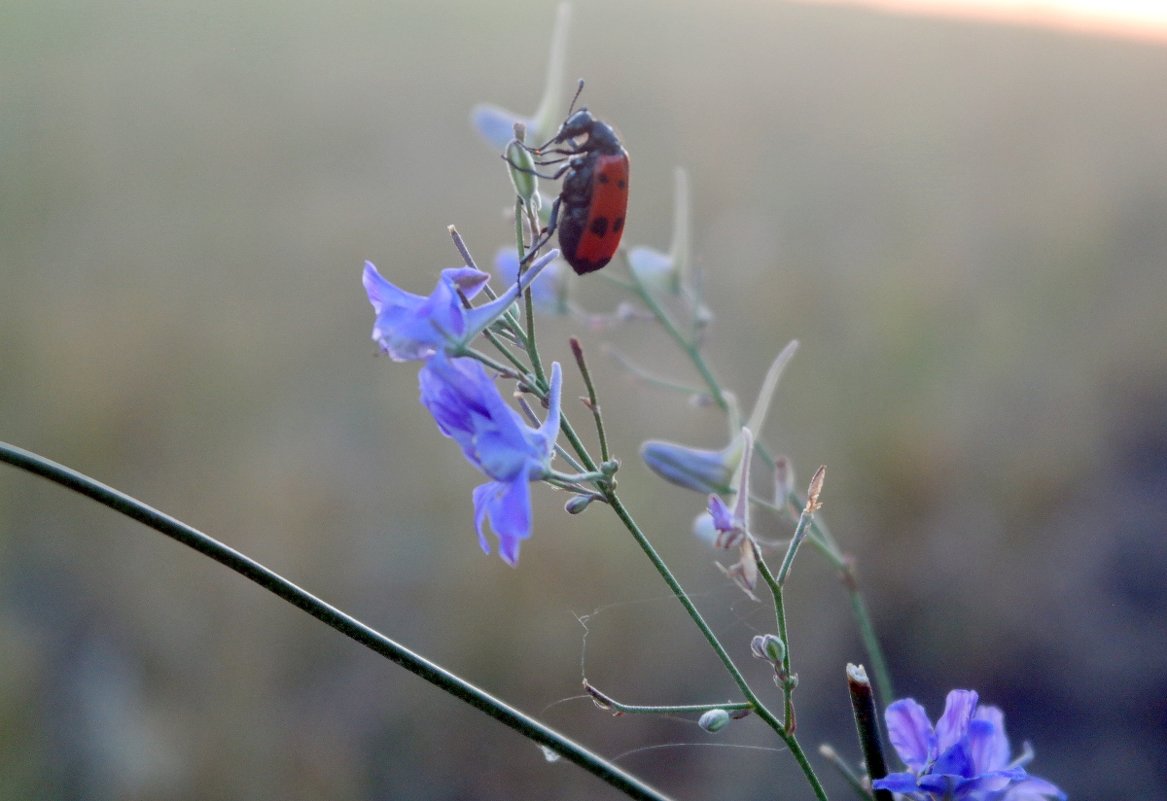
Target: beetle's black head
x,y
600,135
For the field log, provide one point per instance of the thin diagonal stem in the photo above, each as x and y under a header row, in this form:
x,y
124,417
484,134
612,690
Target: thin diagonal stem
x,y
787,732
675,587
345,624
822,540
879,670
593,402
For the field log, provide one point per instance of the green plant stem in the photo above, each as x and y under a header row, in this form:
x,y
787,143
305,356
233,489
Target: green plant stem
x,y
786,676
519,373
789,725
495,340
606,701
345,624
844,770
824,542
796,540
758,707
691,350
775,587
675,587
593,402
879,671
821,539
787,733
529,303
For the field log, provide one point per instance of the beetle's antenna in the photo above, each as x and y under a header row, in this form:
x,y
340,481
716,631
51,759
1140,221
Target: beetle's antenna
x,y
577,92
539,150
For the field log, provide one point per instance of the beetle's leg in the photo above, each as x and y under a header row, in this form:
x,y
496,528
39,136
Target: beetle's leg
x,y
555,177
559,151
545,162
544,235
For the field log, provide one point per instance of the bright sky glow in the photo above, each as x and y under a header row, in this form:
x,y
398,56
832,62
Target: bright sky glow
x,y
1141,19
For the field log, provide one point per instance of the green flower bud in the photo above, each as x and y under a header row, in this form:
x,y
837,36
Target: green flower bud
x,y
521,166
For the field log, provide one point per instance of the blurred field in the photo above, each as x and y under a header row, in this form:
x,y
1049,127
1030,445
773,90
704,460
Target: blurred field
x,y
966,227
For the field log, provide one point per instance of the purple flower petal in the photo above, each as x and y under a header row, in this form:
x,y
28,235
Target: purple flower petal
x,y
411,327
721,514
468,408
953,723
1031,788
964,758
989,784
496,125
897,783
910,733
988,745
508,507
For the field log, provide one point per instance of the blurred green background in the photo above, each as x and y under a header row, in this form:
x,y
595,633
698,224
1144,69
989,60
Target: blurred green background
x,y
965,226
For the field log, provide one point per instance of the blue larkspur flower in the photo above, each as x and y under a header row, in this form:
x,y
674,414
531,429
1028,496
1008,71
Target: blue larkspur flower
x,y
965,756
411,327
468,408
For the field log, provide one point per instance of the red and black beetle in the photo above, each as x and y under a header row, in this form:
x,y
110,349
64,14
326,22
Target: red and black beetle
x,y
593,201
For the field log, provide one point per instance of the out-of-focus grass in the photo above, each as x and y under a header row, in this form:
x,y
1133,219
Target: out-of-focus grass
x,y
963,225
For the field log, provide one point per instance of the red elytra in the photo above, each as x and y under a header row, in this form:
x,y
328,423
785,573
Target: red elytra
x,y
593,201
590,230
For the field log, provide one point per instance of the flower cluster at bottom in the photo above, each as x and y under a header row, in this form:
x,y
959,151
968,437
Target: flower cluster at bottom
x,y
463,398
965,756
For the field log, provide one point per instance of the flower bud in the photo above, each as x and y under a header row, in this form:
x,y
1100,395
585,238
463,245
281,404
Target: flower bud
x,y
714,720
521,166
769,647
666,272
652,268
707,472
704,530
577,503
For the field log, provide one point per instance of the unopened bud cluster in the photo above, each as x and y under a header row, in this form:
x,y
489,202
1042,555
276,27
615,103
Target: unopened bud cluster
x,y
769,647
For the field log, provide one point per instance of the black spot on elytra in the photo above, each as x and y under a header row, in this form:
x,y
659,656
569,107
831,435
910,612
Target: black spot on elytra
x,y
622,184
602,178
618,225
599,226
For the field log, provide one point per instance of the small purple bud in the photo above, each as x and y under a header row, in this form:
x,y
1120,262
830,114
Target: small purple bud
x,y
714,720
577,503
